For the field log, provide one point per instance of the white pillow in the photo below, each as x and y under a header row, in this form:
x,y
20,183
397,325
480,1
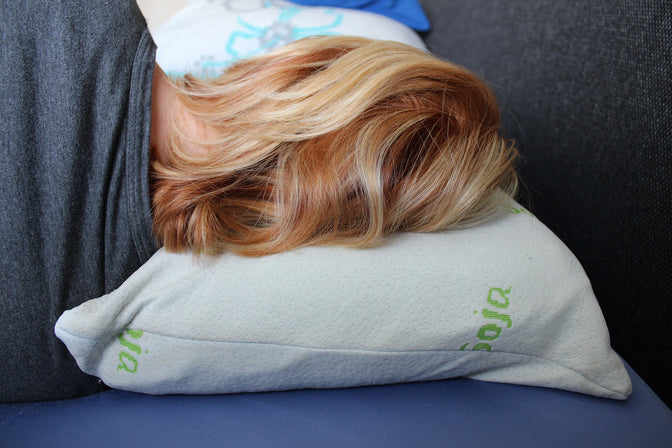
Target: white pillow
x,y
505,302
205,37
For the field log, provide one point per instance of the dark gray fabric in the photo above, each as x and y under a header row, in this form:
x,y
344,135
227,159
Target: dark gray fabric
x,y
75,217
585,88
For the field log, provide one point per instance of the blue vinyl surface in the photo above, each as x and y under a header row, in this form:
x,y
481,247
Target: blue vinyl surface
x,y
443,413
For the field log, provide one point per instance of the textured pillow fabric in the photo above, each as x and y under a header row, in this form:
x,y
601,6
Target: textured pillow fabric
x,y
205,37
505,302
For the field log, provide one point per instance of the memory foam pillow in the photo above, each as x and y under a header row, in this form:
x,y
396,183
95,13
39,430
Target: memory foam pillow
x,y
206,37
505,301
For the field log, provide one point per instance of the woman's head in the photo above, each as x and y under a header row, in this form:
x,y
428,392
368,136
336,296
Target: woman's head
x,y
330,140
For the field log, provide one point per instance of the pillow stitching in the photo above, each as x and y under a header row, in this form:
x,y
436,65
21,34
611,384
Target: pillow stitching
x,y
503,352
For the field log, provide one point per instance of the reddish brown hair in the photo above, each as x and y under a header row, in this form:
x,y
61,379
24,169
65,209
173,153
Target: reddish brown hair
x,y
331,140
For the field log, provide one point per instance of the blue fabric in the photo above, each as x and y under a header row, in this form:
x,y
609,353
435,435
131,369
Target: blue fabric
x,y
460,413
408,12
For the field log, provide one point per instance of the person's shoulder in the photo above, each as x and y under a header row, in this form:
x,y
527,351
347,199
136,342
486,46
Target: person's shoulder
x,y
111,20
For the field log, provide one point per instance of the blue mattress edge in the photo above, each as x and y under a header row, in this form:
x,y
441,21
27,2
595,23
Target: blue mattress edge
x,y
458,412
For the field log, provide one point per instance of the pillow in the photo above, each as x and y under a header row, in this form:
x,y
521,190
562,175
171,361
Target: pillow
x,y
505,301
205,37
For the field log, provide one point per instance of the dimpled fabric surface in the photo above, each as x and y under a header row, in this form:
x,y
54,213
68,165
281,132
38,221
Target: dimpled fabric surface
x,y
505,302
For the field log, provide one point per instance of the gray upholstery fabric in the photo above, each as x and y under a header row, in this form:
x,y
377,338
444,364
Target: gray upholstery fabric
x,y
585,89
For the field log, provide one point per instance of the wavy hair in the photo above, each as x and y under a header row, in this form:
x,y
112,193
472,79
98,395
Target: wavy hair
x,y
330,140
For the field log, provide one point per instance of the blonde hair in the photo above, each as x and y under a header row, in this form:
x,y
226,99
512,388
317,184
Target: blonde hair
x,y
331,140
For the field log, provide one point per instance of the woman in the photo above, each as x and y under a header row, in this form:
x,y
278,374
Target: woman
x,y
326,141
